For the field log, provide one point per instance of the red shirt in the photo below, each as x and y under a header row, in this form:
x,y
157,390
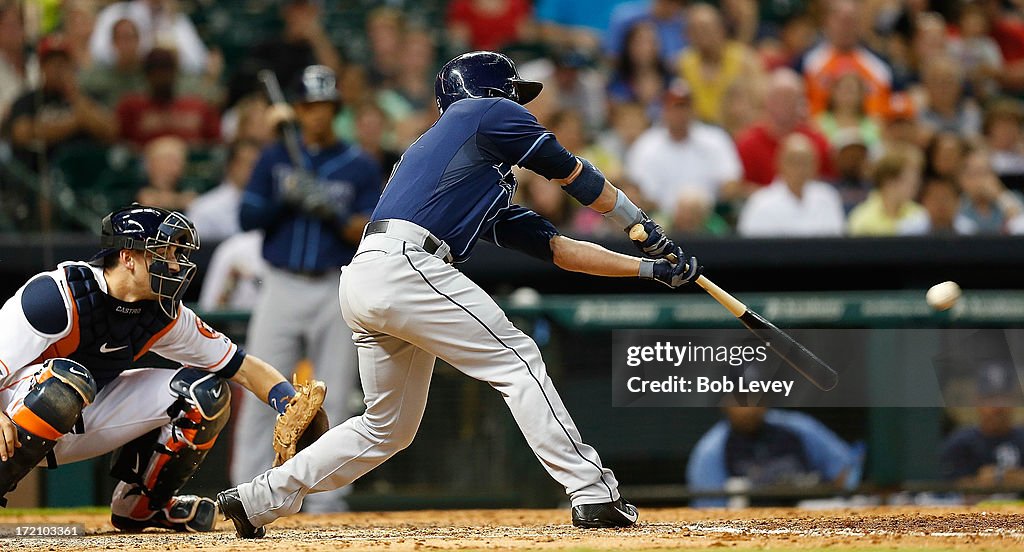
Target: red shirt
x,y
489,31
1009,35
758,147
186,117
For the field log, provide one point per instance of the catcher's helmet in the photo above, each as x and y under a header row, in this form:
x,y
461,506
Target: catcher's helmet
x,y
152,229
482,75
316,84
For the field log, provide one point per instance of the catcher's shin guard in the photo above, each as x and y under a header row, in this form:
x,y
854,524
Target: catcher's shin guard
x,y
52,407
155,466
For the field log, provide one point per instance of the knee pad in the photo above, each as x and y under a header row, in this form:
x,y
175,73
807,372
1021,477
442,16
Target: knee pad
x,y
51,408
209,393
159,463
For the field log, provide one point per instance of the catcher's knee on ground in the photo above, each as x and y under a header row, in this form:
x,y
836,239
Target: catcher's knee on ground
x,y
52,407
153,467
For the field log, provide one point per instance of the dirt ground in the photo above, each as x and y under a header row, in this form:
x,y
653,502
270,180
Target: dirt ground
x,y
990,528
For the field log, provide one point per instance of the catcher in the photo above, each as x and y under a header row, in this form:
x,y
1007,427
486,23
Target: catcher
x,y
72,341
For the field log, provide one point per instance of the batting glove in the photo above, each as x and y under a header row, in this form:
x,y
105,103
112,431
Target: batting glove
x,y
672,275
657,244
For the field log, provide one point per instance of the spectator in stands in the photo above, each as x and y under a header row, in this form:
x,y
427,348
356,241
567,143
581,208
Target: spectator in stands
x,y
795,204
897,177
164,160
58,113
851,158
639,74
798,33
574,84
13,60
248,121
740,107
944,155
695,214
990,454
940,198
215,213
1003,137
681,153
769,448
160,23
1007,29
302,43
355,89
419,67
713,63
785,109
372,130
575,23
385,32
108,82
160,111
977,53
740,18
486,24
840,52
945,106
78,18
846,111
668,17
899,125
929,41
986,201
628,121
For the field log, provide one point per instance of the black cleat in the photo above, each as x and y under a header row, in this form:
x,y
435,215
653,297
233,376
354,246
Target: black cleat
x,y
609,514
185,513
231,507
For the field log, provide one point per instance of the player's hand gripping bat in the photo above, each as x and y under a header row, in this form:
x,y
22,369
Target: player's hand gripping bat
x,y
289,131
791,351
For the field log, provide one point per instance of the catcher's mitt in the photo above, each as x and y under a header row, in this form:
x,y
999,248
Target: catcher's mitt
x,y
303,421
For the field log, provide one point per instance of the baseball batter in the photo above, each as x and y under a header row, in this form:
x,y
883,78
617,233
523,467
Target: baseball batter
x,y
71,340
407,305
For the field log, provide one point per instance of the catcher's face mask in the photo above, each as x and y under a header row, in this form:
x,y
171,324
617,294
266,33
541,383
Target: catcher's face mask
x,y
170,270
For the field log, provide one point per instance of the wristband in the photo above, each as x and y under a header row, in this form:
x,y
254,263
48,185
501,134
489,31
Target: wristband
x,y
279,396
646,269
625,213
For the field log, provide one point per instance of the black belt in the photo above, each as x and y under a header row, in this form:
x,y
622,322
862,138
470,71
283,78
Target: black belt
x,y
430,243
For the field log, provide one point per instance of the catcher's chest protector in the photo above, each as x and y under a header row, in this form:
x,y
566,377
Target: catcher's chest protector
x,y
111,334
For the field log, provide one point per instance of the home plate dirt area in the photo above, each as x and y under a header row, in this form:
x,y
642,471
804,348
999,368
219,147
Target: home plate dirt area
x,y
997,527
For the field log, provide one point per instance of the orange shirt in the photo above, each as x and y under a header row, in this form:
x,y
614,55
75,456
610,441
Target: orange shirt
x,y
823,65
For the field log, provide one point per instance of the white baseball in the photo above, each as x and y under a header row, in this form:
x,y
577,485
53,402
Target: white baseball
x,y
943,296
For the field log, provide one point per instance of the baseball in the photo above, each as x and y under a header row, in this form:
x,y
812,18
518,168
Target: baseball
x,y
943,296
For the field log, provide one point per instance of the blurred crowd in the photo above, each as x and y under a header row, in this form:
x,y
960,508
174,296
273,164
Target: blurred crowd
x,y
727,117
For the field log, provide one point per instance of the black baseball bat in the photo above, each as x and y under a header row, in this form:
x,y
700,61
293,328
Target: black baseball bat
x,y
788,349
289,130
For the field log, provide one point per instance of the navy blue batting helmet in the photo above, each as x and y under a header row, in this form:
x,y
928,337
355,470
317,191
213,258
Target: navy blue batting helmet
x,y
317,83
154,231
482,75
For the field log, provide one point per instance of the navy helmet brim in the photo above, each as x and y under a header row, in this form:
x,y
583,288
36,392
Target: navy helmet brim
x,y
527,90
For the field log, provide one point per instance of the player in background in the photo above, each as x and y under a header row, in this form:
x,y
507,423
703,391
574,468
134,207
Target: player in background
x,y
312,217
71,343
407,305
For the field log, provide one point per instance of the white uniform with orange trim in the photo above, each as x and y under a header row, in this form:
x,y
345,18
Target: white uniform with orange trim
x,y
132,401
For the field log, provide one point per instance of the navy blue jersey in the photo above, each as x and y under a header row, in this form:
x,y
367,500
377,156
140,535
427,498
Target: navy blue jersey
x,y
296,241
456,179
